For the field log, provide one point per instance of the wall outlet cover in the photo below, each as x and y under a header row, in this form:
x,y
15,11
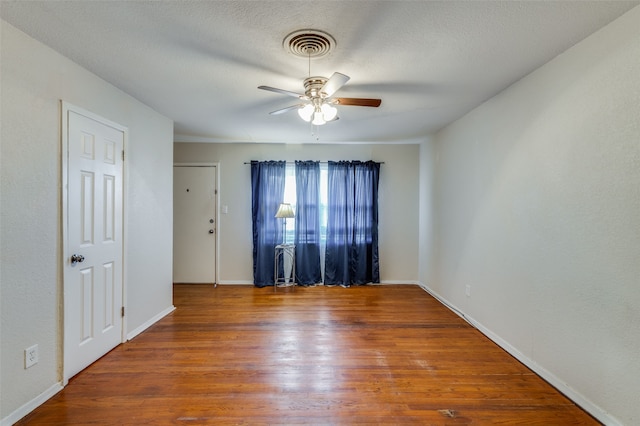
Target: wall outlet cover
x,y
30,356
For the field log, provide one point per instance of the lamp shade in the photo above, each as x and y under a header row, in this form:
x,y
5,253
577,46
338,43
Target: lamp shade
x,y
329,112
306,112
285,211
318,118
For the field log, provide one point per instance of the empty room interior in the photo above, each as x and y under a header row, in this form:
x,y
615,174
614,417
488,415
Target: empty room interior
x,y
484,156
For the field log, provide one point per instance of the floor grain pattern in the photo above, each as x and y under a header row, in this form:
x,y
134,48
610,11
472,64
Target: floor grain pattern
x,y
317,355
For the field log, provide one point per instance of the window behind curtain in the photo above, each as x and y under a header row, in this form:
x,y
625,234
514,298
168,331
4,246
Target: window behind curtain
x,y
290,197
362,245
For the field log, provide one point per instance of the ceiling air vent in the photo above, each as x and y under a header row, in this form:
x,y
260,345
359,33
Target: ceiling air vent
x,y
309,43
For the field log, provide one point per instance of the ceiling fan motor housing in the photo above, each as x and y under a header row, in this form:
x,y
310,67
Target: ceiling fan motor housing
x,y
313,87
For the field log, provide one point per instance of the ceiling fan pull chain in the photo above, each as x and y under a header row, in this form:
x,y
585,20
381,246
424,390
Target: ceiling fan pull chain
x,y
315,131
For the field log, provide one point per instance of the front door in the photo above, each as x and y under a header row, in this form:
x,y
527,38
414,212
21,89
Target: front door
x,y
93,293
194,224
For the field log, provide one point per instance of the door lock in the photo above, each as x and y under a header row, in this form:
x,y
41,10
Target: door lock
x,y
76,258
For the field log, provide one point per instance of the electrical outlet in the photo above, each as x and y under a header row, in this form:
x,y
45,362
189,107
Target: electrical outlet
x,y
30,356
467,290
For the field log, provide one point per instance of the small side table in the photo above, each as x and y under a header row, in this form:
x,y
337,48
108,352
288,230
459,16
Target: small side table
x,y
286,252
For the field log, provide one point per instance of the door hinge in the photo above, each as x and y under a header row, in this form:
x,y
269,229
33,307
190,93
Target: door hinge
x,y
123,155
122,312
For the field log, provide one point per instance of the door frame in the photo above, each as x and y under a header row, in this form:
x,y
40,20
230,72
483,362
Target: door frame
x,y
65,109
216,212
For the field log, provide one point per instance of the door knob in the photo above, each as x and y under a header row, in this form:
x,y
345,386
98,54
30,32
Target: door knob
x,y
76,258
211,231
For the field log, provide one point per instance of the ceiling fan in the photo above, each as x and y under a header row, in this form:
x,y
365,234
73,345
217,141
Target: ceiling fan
x,y
319,103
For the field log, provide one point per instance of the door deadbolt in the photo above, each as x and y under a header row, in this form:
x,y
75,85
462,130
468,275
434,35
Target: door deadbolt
x,y
210,220
76,258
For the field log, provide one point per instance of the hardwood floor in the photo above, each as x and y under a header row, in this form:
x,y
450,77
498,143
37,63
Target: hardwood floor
x,y
320,355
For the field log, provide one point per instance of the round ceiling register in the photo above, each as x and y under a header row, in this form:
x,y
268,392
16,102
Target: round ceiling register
x,y
309,43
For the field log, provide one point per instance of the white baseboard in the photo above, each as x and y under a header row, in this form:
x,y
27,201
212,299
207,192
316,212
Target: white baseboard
x,y
593,409
31,405
155,319
235,282
398,282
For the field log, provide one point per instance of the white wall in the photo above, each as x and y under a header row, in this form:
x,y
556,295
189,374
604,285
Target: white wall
x,y
34,79
398,187
537,207
426,225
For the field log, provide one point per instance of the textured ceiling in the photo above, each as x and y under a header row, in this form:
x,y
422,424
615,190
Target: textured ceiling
x,y
200,62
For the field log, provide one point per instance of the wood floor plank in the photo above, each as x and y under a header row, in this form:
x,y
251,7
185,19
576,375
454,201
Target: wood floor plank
x,y
318,355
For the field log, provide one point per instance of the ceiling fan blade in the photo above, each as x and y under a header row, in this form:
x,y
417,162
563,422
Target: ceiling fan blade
x,y
334,83
282,91
287,109
358,102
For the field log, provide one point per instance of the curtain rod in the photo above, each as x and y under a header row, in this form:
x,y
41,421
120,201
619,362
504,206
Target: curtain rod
x,y
321,162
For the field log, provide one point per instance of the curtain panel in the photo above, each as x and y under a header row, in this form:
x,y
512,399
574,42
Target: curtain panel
x,y
307,222
351,255
267,192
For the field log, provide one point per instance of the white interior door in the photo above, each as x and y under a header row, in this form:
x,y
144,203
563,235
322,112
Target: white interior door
x,y
194,224
93,292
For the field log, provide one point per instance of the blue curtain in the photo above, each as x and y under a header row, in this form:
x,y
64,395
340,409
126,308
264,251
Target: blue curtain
x,y
340,210
351,255
307,229
364,260
267,192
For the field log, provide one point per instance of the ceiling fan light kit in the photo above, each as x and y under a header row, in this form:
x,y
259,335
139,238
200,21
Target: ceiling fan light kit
x,y
320,114
318,91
